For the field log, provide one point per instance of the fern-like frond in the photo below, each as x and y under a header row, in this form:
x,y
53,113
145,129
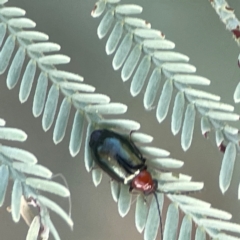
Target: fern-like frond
x,y
15,164
228,17
169,185
33,45
93,106
144,53
232,23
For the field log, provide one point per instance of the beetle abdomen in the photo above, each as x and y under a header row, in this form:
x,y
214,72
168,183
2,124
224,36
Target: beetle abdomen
x,y
116,155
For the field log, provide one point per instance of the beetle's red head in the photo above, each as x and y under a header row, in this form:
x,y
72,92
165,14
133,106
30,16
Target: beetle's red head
x,y
144,182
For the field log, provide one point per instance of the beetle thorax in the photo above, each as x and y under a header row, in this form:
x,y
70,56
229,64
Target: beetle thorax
x,y
144,182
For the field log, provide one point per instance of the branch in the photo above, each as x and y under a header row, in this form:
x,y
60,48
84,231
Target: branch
x,y
15,163
229,19
227,16
144,50
93,106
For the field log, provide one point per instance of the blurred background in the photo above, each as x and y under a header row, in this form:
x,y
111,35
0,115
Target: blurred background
x,y
197,32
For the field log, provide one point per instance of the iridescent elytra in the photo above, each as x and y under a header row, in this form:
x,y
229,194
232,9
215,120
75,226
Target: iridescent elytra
x,y
121,159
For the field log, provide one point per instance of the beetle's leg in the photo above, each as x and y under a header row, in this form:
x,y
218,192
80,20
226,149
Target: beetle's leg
x,y
130,134
135,192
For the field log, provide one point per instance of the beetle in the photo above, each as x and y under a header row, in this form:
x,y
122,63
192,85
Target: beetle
x,y
120,158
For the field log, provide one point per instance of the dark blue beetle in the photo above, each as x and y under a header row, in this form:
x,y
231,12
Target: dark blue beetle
x,y
119,157
121,160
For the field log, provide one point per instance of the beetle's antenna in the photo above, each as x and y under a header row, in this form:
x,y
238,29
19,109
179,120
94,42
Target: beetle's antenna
x,y
66,185
159,213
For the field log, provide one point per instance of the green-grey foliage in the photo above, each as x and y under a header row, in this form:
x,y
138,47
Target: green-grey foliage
x,y
137,39
91,106
15,163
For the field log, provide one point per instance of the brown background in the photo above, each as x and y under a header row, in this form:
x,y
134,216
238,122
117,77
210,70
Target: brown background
x,y
198,33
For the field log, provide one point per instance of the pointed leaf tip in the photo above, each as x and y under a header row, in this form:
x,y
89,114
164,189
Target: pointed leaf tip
x,y
227,167
96,176
12,134
16,200
236,95
98,9
34,229
124,202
